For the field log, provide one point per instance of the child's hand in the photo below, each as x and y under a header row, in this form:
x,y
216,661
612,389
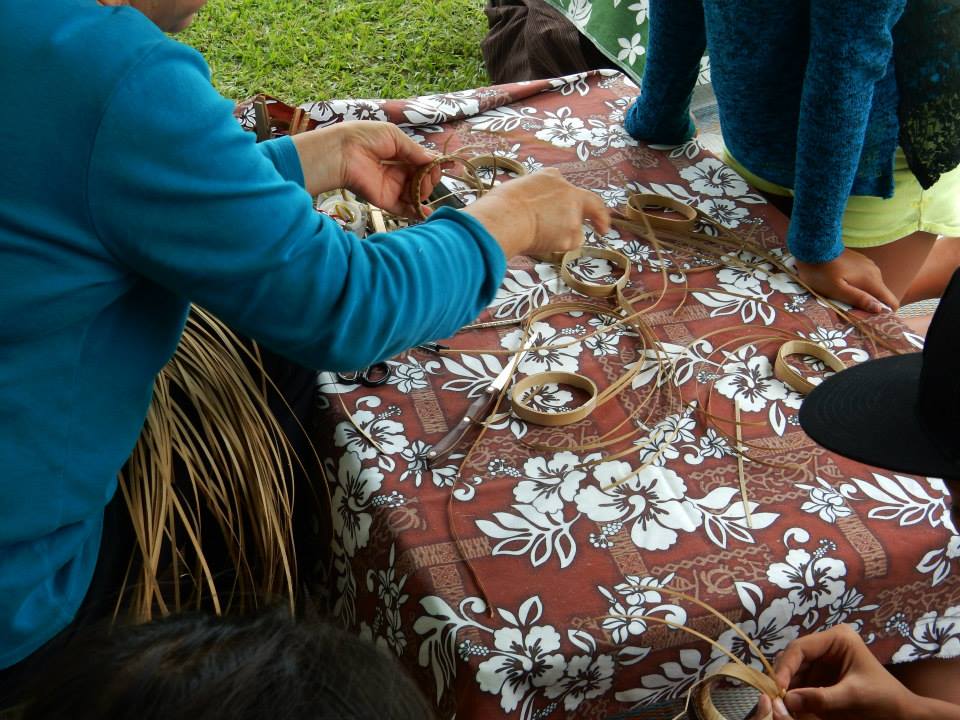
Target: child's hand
x,y
852,278
834,676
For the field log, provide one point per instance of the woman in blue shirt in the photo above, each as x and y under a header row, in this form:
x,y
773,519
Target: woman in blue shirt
x,y
808,100
132,192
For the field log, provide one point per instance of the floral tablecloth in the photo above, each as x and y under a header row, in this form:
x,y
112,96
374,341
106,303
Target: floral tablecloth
x,y
509,585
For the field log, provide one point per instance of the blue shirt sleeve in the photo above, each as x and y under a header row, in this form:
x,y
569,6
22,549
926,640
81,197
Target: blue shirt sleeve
x,y
850,48
179,194
285,158
676,42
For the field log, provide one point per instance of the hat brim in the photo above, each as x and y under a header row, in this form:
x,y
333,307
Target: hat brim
x,y
868,413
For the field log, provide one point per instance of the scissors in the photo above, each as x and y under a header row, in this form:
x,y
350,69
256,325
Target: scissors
x,y
378,373
373,376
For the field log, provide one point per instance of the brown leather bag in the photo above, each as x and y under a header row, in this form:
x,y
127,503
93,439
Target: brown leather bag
x,y
529,39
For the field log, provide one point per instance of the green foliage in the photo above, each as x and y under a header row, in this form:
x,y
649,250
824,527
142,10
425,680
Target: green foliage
x,y
300,50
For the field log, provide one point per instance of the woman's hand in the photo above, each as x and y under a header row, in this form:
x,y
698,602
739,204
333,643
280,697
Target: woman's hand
x,y
539,213
376,160
852,278
832,675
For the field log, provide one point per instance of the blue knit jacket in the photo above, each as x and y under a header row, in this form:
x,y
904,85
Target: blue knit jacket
x,y
806,94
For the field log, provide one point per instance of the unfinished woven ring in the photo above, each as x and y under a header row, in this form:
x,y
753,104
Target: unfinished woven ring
x,y
494,163
553,419
471,177
592,289
700,699
638,203
786,374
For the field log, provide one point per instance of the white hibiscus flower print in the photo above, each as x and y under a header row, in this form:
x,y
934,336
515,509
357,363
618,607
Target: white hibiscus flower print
x,y
939,563
846,605
593,269
724,211
550,483
660,444
646,257
548,397
387,433
634,600
771,632
610,136
631,49
830,338
711,177
586,677
748,378
532,164
825,501
712,445
813,581
612,195
563,130
419,466
742,279
554,350
411,375
607,341
652,500
355,487
521,663
364,110
932,636
436,109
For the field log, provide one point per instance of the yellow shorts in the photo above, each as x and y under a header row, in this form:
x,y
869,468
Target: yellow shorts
x,y
871,221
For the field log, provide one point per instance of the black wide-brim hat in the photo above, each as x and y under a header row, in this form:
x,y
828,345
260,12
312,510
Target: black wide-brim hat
x,y
901,413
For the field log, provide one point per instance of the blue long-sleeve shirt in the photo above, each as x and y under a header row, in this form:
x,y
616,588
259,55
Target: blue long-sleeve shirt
x,y
127,190
806,94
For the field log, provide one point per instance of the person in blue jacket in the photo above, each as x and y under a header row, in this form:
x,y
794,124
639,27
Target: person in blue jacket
x,y
128,191
810,97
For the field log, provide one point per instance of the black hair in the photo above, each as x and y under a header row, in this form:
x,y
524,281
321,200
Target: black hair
x,y
263,667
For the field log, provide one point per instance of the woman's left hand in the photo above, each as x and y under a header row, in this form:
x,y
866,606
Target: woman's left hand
x,y
376,160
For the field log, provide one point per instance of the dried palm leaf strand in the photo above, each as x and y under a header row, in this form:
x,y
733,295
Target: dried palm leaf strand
x,y
238,476
743,479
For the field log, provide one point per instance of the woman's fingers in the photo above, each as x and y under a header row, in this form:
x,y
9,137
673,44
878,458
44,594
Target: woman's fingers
x,y
852,278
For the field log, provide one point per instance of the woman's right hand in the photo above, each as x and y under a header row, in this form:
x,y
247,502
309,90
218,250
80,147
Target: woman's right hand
x,y
851,277
832,675
539,213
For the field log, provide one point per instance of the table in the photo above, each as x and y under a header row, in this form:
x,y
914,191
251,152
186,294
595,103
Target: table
x,y
510,585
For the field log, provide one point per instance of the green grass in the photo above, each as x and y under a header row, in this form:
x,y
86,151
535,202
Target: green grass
x,y
300,50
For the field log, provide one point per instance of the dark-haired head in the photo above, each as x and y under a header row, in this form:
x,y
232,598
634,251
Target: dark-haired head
x,y
197,666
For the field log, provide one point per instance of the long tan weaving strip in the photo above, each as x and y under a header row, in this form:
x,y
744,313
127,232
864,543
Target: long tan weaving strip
x,y
791,377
